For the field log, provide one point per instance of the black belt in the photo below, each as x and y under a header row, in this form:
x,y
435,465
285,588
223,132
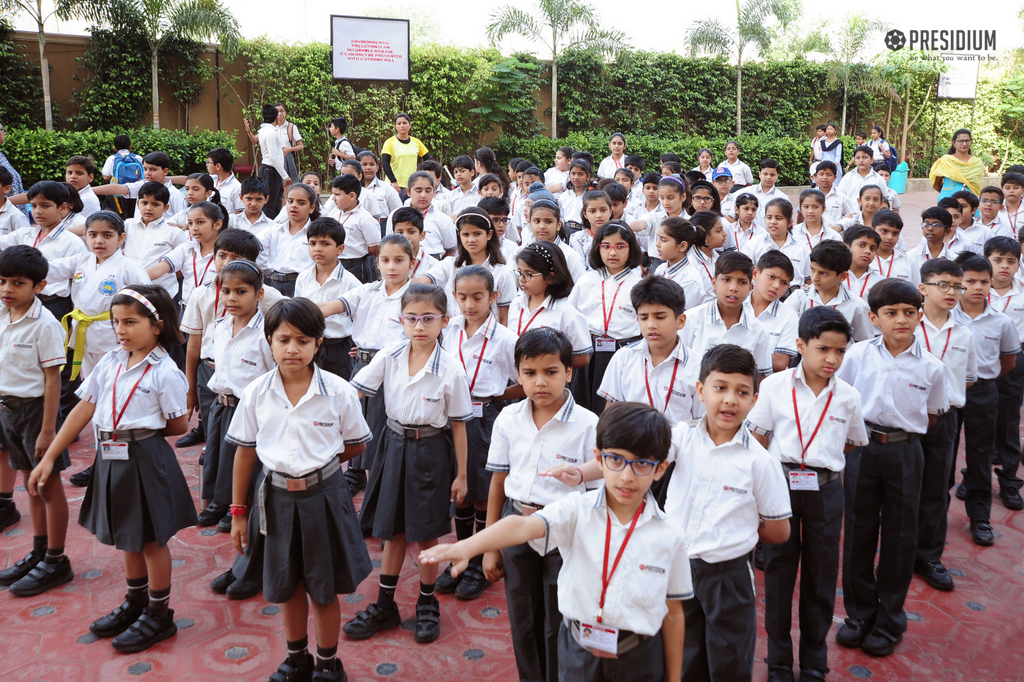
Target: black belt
x,y
824,475
128,435
10,402
365,355
887,434
336,341
227,400
526,508
47,298
282,276
482,400
413,432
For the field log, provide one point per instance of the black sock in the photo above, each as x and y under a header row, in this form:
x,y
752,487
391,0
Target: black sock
x,y
158,600
297,651
481,519
6,499
386,593
39,543
426,593
54,554
138,588
326,658
463,523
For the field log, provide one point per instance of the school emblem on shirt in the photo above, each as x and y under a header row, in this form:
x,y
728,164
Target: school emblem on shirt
x,y
327,424
566,458
734,489
78,278
652,569
108,287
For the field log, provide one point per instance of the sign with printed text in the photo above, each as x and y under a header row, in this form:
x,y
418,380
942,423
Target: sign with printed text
x,y
368,48
960,81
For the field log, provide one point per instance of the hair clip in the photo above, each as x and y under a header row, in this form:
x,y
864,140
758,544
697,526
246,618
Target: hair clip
x,y
132,293
676,178
537,248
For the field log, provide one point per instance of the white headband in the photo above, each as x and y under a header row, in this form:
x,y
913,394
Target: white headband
x,y
143,300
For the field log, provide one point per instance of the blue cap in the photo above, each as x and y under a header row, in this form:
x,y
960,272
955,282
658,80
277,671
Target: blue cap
x,y
538,192
721,173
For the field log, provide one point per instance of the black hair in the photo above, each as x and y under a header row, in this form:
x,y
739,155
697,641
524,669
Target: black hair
x,y
340,123
947,203
635,160
57,192
407,214
253,186
432,167
968,196
887,217
637,428
158,191
863,149
658,290
6,179
546,258
727,358
222,156
159,159
589,196
785,207
85,162
617,193
673,167
832,255
349,184
776,259
347,163
426,293
881,166
652,178
703,222
583,165
22,260
208,184
310,193
868,188
548,205
464,162
212,211
245,271
567,152
816,321
826,165
305,174
108,217
734,261
620,228
490,179
855,232
242,243
476,216
1012,179
422,175
881,133
122,142
815,194
582,154
992,189
75,204
744,198
488,159
822,127
532,170
768,163
523,165
693,176
514,163
940,266
399,240
861,133
269,112
675,182
972,262
402,114
475,271
937,213
543,341
958,133
170,335
301,314
716,201
894,291
1004,246
624,171
669,157
494,206
327,227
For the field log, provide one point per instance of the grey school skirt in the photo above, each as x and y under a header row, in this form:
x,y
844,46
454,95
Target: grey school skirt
x,y
138,500
409,491
478,440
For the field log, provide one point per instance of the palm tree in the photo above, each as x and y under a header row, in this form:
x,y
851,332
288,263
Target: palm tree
x,y
844,48
560,25
63,9
158,20
904,72
711,36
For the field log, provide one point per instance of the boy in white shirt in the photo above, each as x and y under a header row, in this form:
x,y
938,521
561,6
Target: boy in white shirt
x,y
408,222
272,170
863,244
253,194
990,221
150,237
864,174
10,217
1013,207
219,164
766,189
465,193
772,276
936,225
830,262
890,262
837,204
362,231
79,174
156,166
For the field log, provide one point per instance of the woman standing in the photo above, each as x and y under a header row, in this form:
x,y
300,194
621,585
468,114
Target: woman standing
x,y
832,150
957,170
16,186
401,154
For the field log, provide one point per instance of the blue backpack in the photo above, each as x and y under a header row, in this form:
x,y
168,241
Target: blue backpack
x,y
128,168
893,159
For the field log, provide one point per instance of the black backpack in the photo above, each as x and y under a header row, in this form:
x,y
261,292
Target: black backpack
x,y
356,149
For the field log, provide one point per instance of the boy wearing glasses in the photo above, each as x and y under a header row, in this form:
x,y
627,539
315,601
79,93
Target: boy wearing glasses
x,y
950,340
810,435
498,211
936,226
991,222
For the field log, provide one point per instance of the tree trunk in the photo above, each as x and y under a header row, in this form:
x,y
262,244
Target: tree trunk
x,y
906,125
739,94
44,72
846,95
888,117
156,89
554,96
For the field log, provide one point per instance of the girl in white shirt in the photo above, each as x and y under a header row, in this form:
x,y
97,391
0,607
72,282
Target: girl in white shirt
x,y
385,198
556,178
708,238
570,202
778,221
546,225
615,160
743,230
285,253
810,228
705,163
741,174
675,237
137,498
597,210
413,480
198,187
479,244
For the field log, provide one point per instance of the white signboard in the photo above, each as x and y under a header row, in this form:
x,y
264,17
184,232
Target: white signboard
x,y
961,78
368,48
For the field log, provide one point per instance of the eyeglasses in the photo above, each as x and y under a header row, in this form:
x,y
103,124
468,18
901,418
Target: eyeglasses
x,y
499,221
427,320
946,286
994,202
932,226
640,467
963,141
617,247
525,274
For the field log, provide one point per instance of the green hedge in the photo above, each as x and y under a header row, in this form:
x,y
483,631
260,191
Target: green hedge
x,y
792,153
39,155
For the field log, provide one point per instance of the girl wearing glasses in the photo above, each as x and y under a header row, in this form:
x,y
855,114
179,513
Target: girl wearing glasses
x,y
421,467
603,296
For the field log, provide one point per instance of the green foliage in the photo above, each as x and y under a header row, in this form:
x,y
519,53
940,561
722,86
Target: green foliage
x,y
508,98
21,89
40,155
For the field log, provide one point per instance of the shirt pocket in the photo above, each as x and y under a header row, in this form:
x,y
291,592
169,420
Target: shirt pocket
x,y
22,355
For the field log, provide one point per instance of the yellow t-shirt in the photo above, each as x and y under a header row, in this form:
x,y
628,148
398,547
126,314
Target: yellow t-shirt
x,y
404,157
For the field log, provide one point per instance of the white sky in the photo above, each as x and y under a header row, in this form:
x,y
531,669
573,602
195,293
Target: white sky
x,y
657,26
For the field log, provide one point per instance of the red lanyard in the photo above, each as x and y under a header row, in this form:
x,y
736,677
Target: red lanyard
x,y
416,267
712,279
519,326
1013,220
115,415
1009,297
617,163
892,259
200,280
605,313
799,430
479,360
867,276
39,235
672,383
924,331
606,577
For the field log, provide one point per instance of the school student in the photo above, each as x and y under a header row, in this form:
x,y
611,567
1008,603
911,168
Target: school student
x,y
362,230
546,225
408,222
465,192
810,435
672,195
284,245
498,211
947,337
903,391
597,210
384,196
863,175
742,229
772,275
837,204
301,456
766,190
936,226
1013,189
556,178
740,172
479,245
990,221
647,200
138,498
812,228
273,171
341,148
11,218
156,168
863,244
638,624
890,262
778,235
570,201
150,237
675,239
830,265
253,195
219,164
440,238
79,173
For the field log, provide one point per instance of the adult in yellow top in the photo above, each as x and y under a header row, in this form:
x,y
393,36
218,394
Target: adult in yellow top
x,y
402,153
958,169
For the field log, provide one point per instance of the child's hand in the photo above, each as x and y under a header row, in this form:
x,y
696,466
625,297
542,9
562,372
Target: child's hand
x,y
453,553
191,404
43,442
570,476
37,479
354,352
494,566
459,489
239,530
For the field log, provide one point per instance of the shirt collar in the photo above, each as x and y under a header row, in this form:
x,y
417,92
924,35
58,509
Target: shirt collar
x,y
317,385
435,364
841,297
566,414
651,507
155,356
621,275
716,317
916,348
673,269
741,437
34,311
680,352
951,321
800,376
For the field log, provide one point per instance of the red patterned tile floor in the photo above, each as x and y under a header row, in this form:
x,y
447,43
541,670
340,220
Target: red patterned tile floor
x,y
972,633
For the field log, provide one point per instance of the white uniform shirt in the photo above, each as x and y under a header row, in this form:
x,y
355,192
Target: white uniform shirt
x,y
994,336
852,182
385,198
841,423
782,324
738,238
241,221
339,282
720,493
59,243
376,317
509,249
90,202
504,284
571,205
439,391
837,205
670,387
581,241
196,269
980,232
149,244
896,266
608,166
1013,219
1012,305
108,165
827,234
853,308
459,199
362,231
860,287
604,300
27,347
878,147
953,345
960,242
241,358
271,149
205,308
649,237
425,265
285,252
686,277
705,329
763,198
175,205
284,130
898,392
553,176
521,450
553,313
796,249
160,395
921,254
703,269
487,357
439,234
741,174
296,440
11,218
230,194
654,567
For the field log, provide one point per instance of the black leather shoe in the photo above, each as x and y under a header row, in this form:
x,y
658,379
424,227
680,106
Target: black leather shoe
x,y
808,675
222,582
82,478
146,631
356,480
45,576
427,626
20,569
332,673
879,642
212,514
1011,499
936,575
244,589
780,675
961,492
981,533
473,583
193,437
852,633
9,515
371,621
224,525
294,671
445,583
120,619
